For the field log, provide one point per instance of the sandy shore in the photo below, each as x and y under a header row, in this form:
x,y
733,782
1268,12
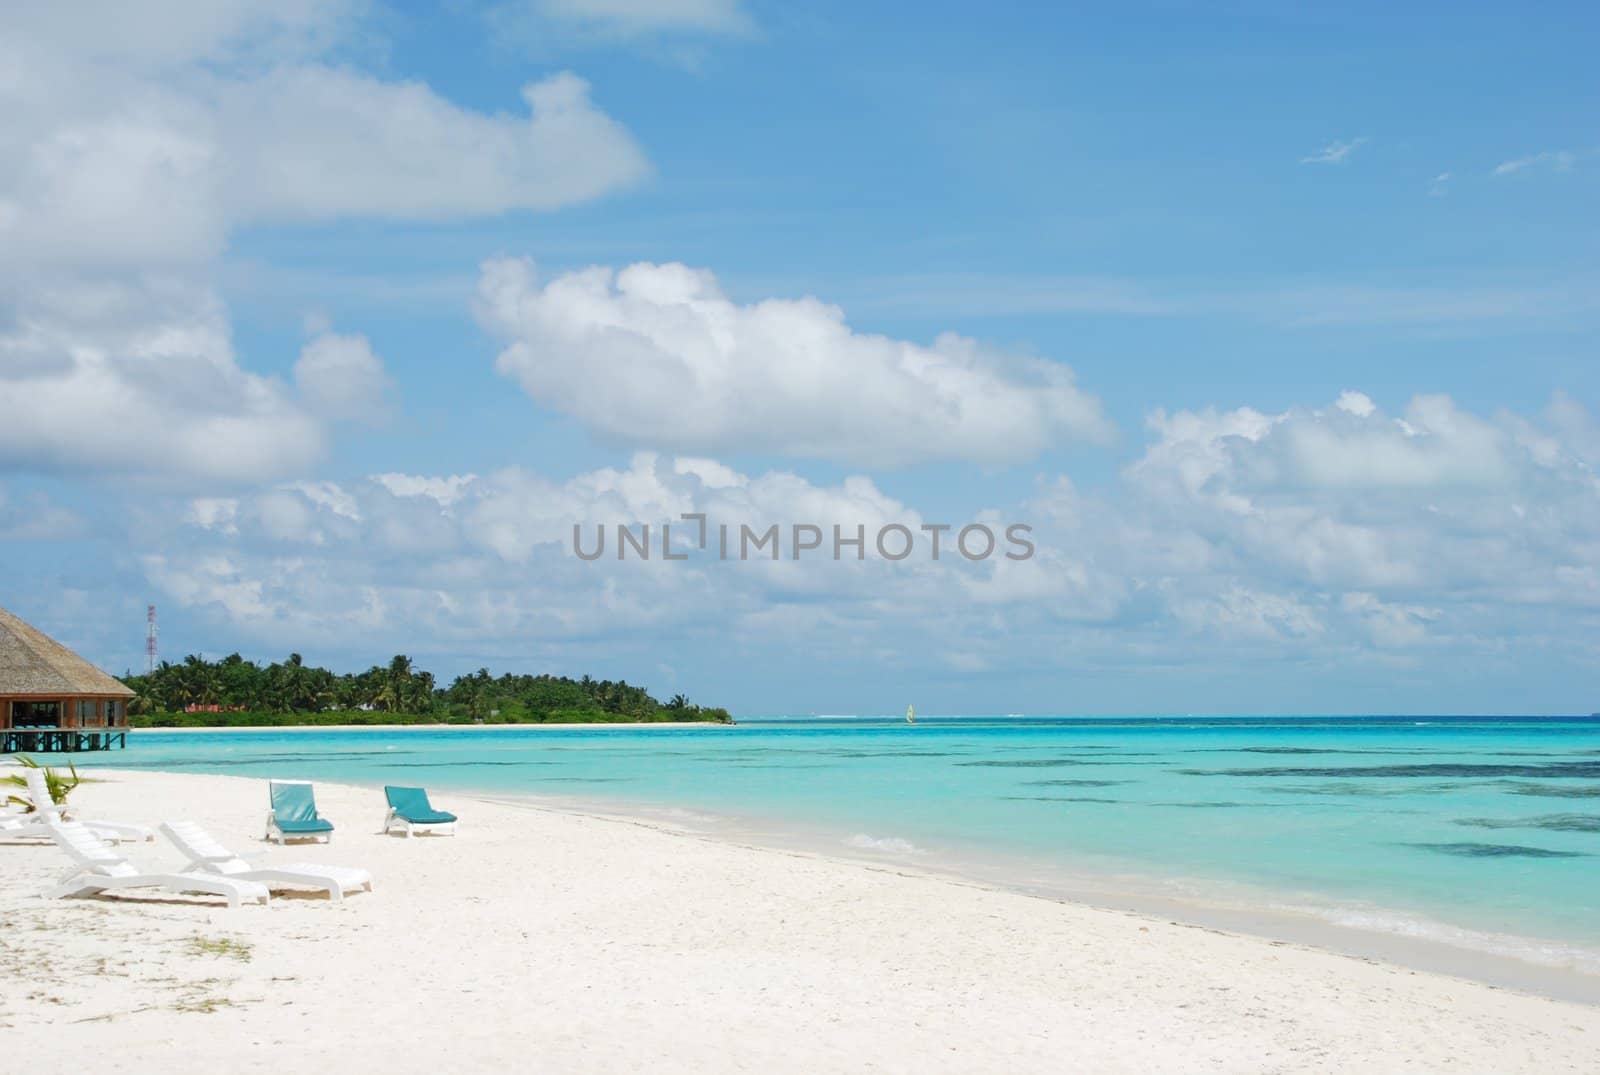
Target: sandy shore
x,y
542,940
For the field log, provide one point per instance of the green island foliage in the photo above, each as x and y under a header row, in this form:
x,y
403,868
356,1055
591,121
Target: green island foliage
x,y
59,784
291,692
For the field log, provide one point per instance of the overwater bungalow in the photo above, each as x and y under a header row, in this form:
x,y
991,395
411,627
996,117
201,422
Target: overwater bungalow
x,y
53,700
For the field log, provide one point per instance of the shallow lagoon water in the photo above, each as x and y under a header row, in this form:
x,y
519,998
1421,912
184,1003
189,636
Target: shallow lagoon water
x,y
1471,830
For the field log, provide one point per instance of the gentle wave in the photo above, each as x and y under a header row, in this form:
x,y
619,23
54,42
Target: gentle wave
x,y
1545,953
893,845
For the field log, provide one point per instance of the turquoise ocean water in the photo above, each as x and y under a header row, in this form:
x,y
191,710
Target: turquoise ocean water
x,y
1483,833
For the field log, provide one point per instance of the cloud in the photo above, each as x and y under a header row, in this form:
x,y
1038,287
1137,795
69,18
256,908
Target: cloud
x,y
1437,503
1559,160
658,355
1335,152
474,558
122,168
220,514
35,517
1439,186
443,491
1391,626
316,142
1241,613
163,33
137,143
1231,538
339,377
140,379
1435,444
1352,446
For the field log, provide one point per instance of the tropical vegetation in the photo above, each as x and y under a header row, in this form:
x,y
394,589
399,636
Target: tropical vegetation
x,y
236,691
59,784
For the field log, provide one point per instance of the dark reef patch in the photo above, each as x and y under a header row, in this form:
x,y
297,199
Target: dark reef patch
x,y
1549,822
1591,791
1073,783
1035,763
1569,770
1206,805
473,764
1058,799
897,753
1495,851
1351,789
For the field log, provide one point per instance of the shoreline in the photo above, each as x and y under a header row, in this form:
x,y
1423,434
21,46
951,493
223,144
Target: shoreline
x,y
1253,915
602,944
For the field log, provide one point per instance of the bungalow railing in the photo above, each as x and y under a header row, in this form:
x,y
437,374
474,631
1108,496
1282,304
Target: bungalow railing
x,y
61,740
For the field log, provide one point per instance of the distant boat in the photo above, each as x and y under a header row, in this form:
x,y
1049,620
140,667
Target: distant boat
x,y
911,714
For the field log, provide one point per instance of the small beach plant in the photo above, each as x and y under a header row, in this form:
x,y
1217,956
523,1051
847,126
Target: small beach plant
x,y
60,785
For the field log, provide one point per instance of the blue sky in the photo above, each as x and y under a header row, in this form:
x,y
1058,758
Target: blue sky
x,y
1279,328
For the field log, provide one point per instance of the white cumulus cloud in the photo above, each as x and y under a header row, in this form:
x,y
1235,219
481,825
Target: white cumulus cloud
x,y
138,380
340,377
658,354
1215,548
312,141
137,138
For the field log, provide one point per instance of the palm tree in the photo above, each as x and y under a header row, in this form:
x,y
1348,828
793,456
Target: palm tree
x,y
145,699
419,698
294,683
397,688
200,683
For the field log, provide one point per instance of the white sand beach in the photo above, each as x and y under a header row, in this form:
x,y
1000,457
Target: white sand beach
x,y
542,940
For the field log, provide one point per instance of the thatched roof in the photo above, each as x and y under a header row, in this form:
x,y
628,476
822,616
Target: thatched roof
x,y
31,662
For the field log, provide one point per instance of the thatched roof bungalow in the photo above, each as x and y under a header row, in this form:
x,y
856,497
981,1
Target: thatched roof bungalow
x,y
44,686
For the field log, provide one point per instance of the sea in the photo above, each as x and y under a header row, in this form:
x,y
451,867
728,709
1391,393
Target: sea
x,y
1469,844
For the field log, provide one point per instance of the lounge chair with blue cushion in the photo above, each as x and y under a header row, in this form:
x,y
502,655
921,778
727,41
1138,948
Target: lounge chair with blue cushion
x,y
409,809
294,813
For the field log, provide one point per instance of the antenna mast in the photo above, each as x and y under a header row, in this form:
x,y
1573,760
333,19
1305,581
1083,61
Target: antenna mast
x,y
150,639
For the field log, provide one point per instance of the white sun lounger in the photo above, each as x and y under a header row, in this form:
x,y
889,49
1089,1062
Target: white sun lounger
x,y
207,856
99,868
46,810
